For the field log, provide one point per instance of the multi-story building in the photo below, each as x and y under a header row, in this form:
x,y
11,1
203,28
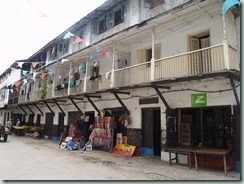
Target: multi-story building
x,y
172,66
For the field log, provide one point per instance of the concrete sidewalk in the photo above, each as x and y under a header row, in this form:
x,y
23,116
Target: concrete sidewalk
x,y
31,159
151,168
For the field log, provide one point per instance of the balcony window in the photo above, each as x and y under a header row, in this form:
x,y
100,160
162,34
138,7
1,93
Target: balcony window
x,y
153,3
101,25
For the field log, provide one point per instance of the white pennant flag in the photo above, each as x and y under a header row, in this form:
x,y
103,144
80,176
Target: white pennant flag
x,y
20,64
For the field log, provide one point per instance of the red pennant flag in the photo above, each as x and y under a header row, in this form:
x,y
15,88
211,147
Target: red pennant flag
x,y
78,59
17,83
78,40
17,89
43,76
35,63
104,52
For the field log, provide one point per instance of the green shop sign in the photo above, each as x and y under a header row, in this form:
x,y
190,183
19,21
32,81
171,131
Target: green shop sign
x,y
199,100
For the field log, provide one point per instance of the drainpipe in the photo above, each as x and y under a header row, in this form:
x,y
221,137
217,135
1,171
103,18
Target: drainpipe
x,y
153,56
225,45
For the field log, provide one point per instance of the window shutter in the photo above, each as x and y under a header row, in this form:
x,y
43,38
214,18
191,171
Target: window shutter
x,y
141,56
94,27
157,52
194,44
109,19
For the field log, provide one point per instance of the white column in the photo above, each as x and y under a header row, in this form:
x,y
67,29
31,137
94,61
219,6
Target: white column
x,y
70,67
113,64
225,44
153,56
85,80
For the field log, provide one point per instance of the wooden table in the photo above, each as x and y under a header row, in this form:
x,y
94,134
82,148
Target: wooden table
x,y
216,152
180,150
198,151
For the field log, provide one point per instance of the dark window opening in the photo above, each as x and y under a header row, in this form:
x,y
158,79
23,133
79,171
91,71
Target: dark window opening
x,y
118,17
101,26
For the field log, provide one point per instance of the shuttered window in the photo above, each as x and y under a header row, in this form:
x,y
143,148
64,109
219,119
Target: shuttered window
x,y
155,3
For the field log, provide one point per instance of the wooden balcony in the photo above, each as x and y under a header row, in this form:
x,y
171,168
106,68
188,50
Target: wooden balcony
x,y
208,60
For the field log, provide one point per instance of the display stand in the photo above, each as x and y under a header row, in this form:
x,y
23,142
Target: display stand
x,y
101,137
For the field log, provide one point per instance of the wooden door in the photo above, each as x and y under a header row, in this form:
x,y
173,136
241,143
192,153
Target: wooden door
x,y
171,127
48,127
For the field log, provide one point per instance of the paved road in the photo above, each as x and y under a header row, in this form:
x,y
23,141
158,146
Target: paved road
x,y
24,158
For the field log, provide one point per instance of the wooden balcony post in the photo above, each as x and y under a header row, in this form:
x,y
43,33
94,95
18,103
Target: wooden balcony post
x,y
225,44
54,82
112,70
70,67
85,80
153,56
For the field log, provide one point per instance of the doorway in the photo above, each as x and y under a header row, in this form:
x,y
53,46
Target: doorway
x,y
151,132
60,124
48,127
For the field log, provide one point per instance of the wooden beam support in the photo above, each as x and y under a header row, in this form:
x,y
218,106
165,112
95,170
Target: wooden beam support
x,y
77,107
39,109
121,103
22,109
30,109
120,92
93,96
49,108
234,91
75,98
59,107
94,106
60,100
161,97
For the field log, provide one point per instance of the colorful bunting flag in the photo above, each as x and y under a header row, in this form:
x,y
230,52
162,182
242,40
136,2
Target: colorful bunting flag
x,y
43,75
228,4
35,63
68,35
25,72
78,40
25,81
78,59
17,83
93,56
98,49
20,64
64,60
104,52
17,89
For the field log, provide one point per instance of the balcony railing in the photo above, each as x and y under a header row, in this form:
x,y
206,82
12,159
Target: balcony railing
x,y
203,61
77,87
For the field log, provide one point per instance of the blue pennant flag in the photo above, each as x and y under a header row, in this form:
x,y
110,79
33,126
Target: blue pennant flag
x,y
93,56
98,49
68,35
228,4
25,72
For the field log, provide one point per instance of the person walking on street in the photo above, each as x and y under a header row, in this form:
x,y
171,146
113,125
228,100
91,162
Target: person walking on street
x,y
9,125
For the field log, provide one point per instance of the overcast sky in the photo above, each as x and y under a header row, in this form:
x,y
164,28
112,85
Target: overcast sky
x,y
28,25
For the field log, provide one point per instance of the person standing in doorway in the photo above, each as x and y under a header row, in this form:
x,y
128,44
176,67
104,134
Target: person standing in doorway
x,y
72,130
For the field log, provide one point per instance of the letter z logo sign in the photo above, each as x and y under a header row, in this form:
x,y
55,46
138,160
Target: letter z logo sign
x,y
199,100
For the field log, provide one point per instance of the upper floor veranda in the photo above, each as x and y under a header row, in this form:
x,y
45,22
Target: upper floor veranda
x,y
187,43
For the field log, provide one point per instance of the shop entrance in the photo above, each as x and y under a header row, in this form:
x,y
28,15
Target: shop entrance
x,y
151,132
60,124
48,127
209,126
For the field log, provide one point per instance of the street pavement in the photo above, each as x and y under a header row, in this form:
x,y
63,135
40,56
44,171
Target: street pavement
x,y
25,158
